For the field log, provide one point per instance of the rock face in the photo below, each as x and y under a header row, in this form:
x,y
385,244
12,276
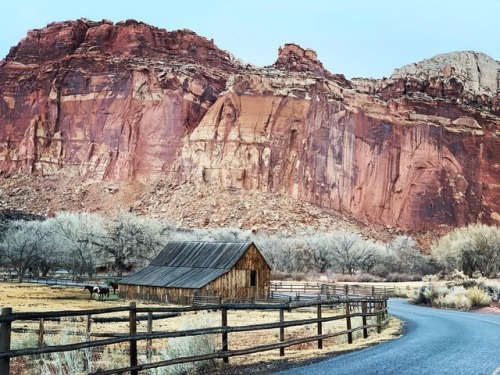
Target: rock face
x,y
293,58
340,149
397,158
107,100
451,74
128,101
471,78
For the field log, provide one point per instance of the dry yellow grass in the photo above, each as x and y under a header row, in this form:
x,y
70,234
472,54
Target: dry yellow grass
x,y
30,297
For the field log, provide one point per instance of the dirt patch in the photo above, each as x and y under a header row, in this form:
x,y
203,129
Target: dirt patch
x,y
488,310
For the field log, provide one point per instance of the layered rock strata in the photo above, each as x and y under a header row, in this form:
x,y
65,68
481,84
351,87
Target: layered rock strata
x,y
106,100
411,161
128,101
464,78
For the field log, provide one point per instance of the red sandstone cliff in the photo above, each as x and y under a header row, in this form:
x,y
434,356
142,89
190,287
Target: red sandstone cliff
x,y
405,158
129,101
107,100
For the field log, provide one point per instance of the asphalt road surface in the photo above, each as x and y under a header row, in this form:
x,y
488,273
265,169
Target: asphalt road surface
x,y
435,342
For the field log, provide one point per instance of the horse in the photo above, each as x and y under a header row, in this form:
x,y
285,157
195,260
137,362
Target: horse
x,y
114,286
102,292
91,289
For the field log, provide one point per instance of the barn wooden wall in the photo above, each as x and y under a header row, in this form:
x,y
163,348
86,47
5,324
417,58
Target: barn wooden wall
x,y
234,284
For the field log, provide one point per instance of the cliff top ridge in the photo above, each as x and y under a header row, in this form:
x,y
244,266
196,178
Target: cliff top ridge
x,y
124,39
478,72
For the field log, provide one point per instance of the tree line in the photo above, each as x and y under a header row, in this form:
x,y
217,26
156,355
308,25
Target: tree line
x,y
84,243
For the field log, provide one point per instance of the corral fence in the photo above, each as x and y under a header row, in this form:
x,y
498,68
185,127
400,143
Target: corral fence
x,y
371,311
306,291
63,281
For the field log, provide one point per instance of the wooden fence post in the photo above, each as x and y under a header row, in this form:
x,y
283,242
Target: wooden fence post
x,y
41,330
346,289
133,332
5,341
320,328
89,324
149,343
379,316
385,308
363,311
87,360
225,344
282,331
348,319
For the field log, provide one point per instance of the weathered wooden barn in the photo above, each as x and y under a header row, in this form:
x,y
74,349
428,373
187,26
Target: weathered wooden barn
x,y
185,269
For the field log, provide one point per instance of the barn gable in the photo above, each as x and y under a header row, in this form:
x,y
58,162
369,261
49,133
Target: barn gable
x,y
193,265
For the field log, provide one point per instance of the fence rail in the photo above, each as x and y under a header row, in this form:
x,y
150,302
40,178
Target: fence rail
x,y
328,290
63,281
367,307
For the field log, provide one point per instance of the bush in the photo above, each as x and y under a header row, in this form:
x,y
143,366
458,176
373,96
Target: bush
x,y
455,298
430,278
281,276
465,296
493,291
459,279
356,278
478,297
402,277
475,249
456,276
425,295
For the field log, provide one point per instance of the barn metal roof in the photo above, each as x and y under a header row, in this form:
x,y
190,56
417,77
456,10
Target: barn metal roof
x,y
189,264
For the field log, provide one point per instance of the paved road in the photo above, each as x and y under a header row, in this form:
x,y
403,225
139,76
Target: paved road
x,y
435,342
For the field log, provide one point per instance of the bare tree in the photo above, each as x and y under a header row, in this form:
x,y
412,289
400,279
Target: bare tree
x,y
405,255
278,251
349,252
77,234
219,234
130,242
370,255
313,251
22,247
320,252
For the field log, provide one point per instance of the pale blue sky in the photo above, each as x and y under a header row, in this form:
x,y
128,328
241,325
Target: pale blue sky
x,y
353,37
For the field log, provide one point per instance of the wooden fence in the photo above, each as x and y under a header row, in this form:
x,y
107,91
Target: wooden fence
x,y
299,291
369,307
67,281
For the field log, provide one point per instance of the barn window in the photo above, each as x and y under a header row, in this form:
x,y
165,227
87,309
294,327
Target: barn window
x,y
253,278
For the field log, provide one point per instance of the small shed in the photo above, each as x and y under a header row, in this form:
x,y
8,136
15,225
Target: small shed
x,y
184,269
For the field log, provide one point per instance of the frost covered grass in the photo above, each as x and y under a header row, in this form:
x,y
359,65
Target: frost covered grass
x,y
65,363
87,360
185,347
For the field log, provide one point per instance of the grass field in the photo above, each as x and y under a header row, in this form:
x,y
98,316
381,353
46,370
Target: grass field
x,y
24,297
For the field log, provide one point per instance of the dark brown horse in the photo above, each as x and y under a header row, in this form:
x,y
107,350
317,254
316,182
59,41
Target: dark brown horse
x,y
90,288
114,286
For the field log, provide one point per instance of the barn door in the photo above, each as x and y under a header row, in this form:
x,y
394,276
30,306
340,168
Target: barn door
x,y
254,289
